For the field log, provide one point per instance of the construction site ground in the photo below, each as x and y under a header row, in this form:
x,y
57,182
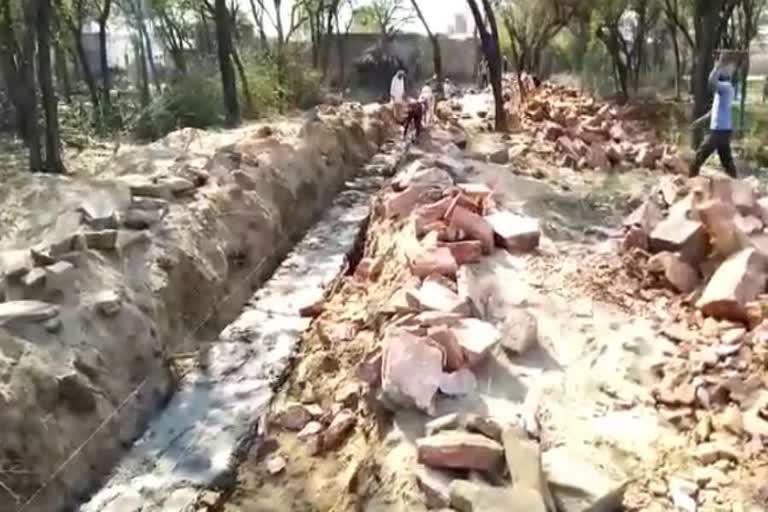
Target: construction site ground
x,y
585,388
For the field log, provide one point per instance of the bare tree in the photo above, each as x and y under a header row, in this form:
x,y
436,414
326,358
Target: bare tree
x,y
437,57
104,14
43,17
490,45
224,44
532,25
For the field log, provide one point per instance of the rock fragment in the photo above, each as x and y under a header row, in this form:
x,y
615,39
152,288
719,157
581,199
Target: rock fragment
x,y
411,370
739,280
515,232
460,450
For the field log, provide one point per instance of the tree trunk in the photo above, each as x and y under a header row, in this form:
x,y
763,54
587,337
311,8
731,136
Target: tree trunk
x,y
142,71
436,54
706,25
62,72
244,82
490,42
90,80
53,162
224,44
743,99
149,53
29,101
104,57
678,62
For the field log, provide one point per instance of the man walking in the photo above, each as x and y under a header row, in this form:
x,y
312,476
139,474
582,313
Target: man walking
x,y
397,94
720,120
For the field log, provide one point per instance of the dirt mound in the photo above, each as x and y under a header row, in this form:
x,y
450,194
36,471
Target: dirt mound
x,y
126,273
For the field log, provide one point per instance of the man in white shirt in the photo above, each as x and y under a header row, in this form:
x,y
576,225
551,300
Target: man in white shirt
x,y
397,94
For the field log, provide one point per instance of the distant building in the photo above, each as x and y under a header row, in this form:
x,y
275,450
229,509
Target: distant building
x,y
460,23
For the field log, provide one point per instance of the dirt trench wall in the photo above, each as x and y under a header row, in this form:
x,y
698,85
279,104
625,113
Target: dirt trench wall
x,y
80,378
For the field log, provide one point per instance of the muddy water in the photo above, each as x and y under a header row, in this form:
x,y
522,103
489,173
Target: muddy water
x,y
197,439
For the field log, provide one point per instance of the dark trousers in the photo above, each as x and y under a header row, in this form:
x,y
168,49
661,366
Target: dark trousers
x,y
414,118
720,141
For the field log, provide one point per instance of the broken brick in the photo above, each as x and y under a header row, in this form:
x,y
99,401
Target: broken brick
x,y
294,416
476,338
460,450
687,237
436,297
648,215
454,355
436,261
430,213
474,225
340,427
635,238
552,131
740,279
411,370
719,218
468,251
682,276
646,158
401,204
597,157
515,232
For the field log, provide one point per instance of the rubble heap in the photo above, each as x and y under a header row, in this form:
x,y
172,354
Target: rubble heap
x,y
710,246
426,230
582,134
436,338
575,131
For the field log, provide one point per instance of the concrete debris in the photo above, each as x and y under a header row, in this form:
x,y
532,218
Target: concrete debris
x,y
473,497
476,339
459,383
524,462
515,232
59,276
35,278
686,237
26,311
107,302
519,331
436,486
432,296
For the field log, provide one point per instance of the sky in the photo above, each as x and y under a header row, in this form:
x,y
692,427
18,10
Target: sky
x,y
439,13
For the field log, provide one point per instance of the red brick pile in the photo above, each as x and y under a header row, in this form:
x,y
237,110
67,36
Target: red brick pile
x,y
711,243
434,339
585,135
712,246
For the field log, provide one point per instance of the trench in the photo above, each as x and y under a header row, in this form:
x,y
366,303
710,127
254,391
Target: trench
x,y
219,408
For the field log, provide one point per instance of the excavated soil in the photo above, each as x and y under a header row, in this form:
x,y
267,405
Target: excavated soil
x,y
124,317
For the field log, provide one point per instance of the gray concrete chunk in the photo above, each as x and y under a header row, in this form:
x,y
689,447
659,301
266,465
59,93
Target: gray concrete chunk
x,y
26,311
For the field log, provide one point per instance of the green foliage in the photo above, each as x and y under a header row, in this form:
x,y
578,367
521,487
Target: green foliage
x,y
301,86
383,16
196,100
191,101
